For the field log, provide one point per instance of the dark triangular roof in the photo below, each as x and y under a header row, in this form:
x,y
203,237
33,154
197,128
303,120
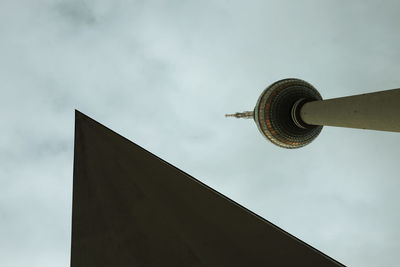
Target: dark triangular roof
x,y
131,208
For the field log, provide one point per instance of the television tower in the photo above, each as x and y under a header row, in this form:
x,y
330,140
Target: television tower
x,y
291,112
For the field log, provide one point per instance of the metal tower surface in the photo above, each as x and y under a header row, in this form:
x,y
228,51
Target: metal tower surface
x,y
131,208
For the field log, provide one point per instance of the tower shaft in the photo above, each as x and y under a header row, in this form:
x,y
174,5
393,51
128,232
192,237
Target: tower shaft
x,y
375,111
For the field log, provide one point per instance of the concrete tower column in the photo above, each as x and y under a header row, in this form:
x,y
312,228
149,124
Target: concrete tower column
x,y
375,111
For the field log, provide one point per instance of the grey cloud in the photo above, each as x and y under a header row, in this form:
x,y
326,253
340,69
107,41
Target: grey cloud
x,y
163,74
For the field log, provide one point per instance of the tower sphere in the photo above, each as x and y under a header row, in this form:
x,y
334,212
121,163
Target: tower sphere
x,y
277,113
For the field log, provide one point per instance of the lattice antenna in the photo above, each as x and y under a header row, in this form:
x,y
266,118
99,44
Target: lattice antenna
x,y
244,115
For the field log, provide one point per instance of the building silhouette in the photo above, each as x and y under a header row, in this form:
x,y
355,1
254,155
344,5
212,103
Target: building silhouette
x,y
131,208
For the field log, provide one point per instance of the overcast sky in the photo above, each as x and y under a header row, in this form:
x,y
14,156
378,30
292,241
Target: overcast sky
x,y
163,74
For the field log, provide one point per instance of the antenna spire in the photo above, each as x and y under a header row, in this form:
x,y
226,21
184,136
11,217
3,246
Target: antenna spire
x,y
244,115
